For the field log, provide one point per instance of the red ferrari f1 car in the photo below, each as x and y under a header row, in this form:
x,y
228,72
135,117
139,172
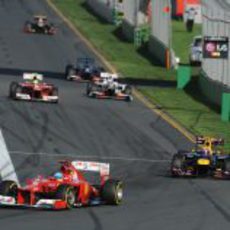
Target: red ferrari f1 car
x,y
66,189
33,89
40,25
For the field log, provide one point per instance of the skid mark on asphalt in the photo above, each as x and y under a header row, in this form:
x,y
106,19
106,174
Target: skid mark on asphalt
x,y
96,220
5,54
215,204
92,156
30,122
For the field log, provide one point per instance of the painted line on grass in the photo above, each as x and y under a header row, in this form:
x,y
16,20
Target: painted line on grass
x,y
91,156
111,68
7,170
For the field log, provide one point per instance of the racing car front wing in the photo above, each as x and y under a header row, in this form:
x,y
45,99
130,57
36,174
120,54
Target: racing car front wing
x,y
27,97
122,97
42,203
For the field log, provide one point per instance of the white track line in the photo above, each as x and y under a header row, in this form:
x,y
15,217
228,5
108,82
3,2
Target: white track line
x,y
7,170
90,156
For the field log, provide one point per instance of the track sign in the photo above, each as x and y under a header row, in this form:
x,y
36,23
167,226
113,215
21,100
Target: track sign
x,y
215,47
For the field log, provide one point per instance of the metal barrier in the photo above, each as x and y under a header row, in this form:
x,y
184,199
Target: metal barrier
x,y
110,10
142,21
215,72
161,32
136,25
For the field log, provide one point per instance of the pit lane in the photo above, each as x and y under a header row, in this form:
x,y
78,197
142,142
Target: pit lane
x,y
111,131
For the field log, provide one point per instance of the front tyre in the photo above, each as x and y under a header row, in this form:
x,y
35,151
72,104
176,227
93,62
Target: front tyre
x,y
69,72
226,165
9,188
55,93
68,194
112,192
12,89
89,88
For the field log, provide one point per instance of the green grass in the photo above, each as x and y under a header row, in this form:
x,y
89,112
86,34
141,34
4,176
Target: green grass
x,y
187,110
181,39
118,51
185,106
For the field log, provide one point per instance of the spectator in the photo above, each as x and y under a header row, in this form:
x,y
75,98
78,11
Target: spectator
x,y
190,17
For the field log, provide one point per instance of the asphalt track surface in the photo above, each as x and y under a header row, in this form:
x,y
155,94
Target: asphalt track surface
x,y
136,142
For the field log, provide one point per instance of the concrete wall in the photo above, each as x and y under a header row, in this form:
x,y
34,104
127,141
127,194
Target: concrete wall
x,y
161,21
157,50
135,15
102,8
128,30
160,39
212,89
216,22
214,80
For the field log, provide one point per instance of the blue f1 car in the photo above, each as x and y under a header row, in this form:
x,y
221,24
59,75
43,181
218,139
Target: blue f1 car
x,y
206,159
85,70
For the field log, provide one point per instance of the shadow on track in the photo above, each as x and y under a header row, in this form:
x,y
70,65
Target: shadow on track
x,y
60,76
19,72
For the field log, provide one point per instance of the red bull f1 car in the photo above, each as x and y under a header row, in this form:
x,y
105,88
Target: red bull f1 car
x,y
33,89
85,70
66,189
40,25
206,159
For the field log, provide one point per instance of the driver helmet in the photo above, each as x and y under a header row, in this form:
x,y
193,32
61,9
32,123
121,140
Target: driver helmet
x,y
40,22
35,80
58,175
87,69
66,170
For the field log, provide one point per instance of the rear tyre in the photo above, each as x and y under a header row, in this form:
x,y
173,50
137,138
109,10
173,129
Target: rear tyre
x,y
112,192
177,162
55,93
68,194
89,88
27,27
12,89
69,71
9,188
226,165
129,98
128,90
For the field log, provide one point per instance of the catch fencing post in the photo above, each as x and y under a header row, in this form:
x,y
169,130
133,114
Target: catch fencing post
x,y
183,76
225,107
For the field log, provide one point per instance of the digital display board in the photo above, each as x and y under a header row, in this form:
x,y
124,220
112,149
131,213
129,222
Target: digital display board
x,y
215,47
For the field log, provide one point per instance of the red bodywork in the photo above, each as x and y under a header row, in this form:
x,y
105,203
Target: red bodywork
x,y
45,188
44,88
34,91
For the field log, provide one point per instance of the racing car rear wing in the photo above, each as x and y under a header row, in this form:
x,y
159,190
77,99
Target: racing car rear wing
x,y
30,76
92,166
107,75
201,140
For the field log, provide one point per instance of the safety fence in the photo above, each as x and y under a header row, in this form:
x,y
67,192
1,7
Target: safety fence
x,y
161,30
149,21
136,22
215,71
110,10
142,21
